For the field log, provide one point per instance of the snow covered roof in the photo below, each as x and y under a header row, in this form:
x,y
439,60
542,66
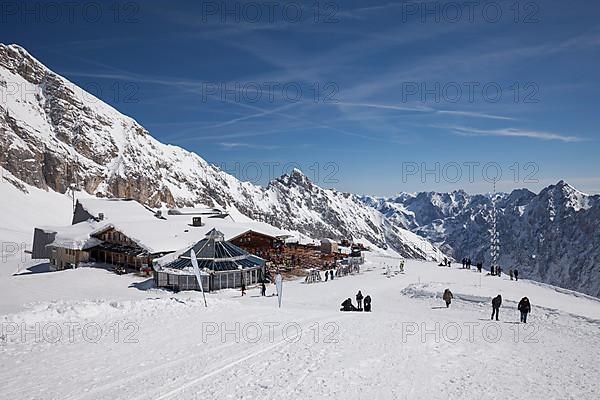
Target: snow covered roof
x,y
215,254
169,233
75,237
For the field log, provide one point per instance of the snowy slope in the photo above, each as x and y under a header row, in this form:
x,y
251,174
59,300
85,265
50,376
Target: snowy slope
x,y
54,135
170,346
553,236
24,206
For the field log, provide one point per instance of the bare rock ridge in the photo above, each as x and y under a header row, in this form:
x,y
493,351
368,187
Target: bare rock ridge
x,y
54,135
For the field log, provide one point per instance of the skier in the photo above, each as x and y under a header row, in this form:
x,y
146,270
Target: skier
x,y
516,274
263,289
479,266
243,287
368,303
359,298
348,306
331,274
464,262
468,263
496,303
525,308
498,271
447,297
510,272
493,271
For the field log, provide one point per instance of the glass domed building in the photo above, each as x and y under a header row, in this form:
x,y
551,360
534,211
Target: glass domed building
x,y
222,265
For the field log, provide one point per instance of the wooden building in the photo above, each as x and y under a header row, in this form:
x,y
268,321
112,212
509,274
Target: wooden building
x,y
257,243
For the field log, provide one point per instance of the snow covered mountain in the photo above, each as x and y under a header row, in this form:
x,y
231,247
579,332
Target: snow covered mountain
x,y
553,237
54,135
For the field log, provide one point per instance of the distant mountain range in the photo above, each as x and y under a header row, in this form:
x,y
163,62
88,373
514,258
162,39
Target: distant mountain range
x,y
552,237
54,135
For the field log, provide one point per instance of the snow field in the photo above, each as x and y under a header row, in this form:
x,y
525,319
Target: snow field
x,y
170,346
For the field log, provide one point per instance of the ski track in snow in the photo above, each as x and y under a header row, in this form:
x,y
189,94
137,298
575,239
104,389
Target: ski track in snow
x,y
553,357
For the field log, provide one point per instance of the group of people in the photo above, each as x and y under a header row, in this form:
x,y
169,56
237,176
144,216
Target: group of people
x,y
494,271
497,271
314,275
348,306
524,306
445,263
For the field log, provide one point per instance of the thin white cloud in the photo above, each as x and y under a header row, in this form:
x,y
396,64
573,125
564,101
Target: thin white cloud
x,y
238,145
247,117
513,132
385,106
475,115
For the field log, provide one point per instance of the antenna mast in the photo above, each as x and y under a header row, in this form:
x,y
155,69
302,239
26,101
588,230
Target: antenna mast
x,y
495,239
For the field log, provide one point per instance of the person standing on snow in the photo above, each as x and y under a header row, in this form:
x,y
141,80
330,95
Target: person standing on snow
x,y
516,274
359,298
263,289
499,271
510,272
525,308
496,303
331,274
243,287
448,296
368,303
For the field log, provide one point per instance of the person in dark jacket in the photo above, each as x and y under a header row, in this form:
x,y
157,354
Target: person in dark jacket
x,y
367,303
243,288
263,289
496,303
348,306
525,308
359,299
448,296
498,271
479,267
516,274
331,274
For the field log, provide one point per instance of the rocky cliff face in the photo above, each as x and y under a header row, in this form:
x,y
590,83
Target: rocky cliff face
x,y
553,237
54,135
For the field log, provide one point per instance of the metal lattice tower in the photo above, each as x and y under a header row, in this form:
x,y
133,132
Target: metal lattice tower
x,y
495,238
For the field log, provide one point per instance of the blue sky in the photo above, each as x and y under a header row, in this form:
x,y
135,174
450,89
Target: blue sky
x,y
376,97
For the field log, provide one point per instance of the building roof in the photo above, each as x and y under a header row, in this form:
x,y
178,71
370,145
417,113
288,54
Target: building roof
x,y
327,240
165,234
216,254
250,231
74,237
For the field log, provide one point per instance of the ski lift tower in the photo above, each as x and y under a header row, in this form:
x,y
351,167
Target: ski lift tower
x,y
495,238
